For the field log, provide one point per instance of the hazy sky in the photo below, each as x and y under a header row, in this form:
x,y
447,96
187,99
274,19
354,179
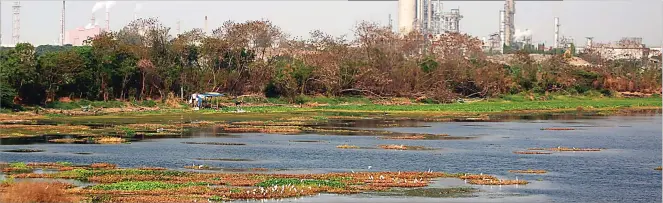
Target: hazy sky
x,y
606,20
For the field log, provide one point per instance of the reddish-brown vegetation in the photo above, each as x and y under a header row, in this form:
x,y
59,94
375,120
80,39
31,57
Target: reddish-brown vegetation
x,y
103,166
528,171
35,192
558,129
530,152
232,186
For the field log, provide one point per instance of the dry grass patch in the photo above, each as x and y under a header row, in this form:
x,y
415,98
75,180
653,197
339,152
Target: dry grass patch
x,y
36,192
402,147
109,140
67,140
346,146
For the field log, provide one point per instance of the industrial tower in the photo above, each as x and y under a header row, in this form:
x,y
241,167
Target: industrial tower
x,y
426,17
16,22
509,24
556,40
62,25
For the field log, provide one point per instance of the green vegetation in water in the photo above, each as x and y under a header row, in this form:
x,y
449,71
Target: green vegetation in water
x,y
128,131
7,181
143,185
452,192
294,181
506,105
84,174
215,198
64,163
18,165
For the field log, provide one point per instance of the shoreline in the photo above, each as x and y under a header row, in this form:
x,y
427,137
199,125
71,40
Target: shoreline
x,y
294,120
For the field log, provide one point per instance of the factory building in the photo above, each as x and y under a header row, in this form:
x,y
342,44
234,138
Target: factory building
x,y
626,48
77,37
427,16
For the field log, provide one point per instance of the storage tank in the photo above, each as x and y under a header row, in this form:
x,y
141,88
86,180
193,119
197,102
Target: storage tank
x,y
406,16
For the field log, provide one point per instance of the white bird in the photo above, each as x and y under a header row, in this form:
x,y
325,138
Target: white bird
x,y
369,167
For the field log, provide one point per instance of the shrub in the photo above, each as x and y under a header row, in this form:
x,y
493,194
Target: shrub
x,y
31,192
148,103
606,93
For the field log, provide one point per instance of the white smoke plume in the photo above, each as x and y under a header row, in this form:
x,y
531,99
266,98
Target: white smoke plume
x,y
523,33
109,5
98,5
90,25
103,4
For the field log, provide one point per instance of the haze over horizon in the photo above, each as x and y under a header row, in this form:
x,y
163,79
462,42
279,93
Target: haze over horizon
x,y
606,21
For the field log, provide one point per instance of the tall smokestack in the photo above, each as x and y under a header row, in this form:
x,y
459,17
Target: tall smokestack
x,y
62,25
502,29
509,18
556,40
406,16
430,15
205,23
107,20
178,27
420,14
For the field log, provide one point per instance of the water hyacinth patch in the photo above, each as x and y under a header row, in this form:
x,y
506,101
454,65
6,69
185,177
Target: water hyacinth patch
x,y
143,185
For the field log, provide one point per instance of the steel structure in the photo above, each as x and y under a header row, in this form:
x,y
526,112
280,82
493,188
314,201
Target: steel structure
x,y
62,25
556,39
16,22
451,20
427,17
509,21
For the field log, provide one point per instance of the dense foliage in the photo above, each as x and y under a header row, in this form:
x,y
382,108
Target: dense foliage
x,y
145,61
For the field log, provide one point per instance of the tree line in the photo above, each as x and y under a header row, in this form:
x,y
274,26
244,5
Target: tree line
x,y
145,60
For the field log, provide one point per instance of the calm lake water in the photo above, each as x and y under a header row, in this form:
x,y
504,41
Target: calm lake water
x,y
624,172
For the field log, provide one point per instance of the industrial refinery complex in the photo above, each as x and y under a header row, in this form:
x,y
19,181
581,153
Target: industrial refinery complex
x,y
426,17
429,18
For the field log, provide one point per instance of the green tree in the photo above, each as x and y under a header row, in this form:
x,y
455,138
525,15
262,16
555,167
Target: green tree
x,y
58,69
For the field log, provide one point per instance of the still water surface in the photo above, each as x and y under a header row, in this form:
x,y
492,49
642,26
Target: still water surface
x,y
624,172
